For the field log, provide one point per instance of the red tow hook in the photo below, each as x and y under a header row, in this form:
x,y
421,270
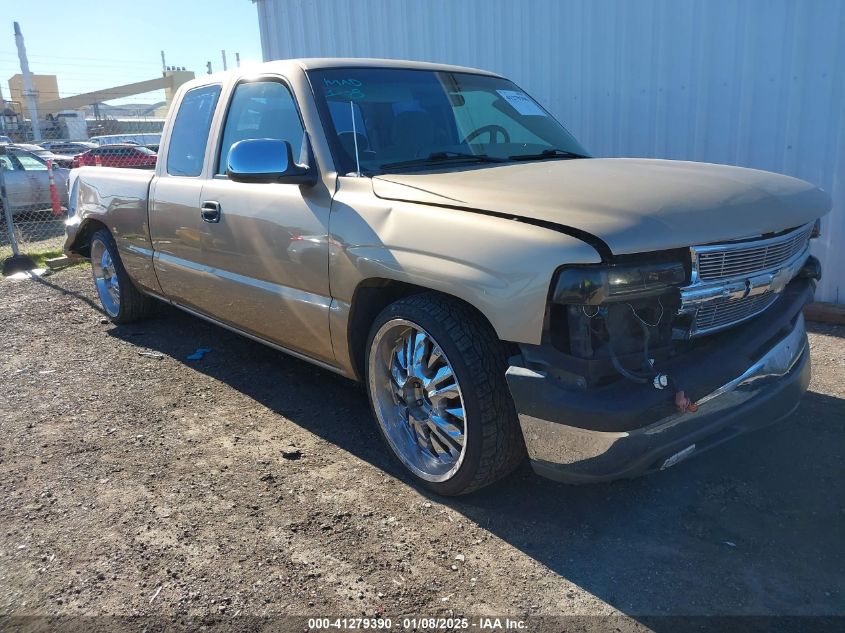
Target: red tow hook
x,y
684,404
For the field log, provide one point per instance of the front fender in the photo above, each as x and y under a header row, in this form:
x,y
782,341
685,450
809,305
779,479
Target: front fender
x,y
502,267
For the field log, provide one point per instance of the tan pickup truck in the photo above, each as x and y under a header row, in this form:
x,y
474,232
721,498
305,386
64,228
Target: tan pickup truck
x,y
434,232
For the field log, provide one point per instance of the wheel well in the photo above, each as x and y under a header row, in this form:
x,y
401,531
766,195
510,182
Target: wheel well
x,y
370,298
82,239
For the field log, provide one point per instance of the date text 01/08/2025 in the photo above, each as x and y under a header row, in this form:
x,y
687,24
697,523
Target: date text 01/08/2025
x,y
412,623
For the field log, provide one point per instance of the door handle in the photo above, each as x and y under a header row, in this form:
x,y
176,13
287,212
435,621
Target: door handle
x,y
210,211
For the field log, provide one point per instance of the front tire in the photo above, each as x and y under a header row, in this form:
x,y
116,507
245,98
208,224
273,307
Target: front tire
x,y
121,300
435,375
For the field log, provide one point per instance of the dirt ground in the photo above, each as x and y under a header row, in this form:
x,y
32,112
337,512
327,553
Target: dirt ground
x,y
136,482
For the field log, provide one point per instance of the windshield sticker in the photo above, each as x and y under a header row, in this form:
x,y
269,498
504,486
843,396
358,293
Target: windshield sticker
x,y
521,102
346,88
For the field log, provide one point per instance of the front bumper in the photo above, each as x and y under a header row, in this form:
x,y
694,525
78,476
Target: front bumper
x,y
562,447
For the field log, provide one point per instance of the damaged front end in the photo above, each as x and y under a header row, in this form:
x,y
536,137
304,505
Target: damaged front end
x,y
643,358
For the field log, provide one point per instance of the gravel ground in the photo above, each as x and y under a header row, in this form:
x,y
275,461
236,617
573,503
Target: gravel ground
x,y
136,482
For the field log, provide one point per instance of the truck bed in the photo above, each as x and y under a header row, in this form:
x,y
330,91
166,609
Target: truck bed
x,y
118,198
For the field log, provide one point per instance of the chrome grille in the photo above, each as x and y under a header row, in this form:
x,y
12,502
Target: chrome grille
x,y
728,260
720,313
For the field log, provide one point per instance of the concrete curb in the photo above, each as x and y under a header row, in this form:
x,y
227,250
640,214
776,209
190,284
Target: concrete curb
x,y
60,262
824,312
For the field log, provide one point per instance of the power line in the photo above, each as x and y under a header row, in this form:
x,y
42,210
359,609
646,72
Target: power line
x,y
106,76
115,68
108,60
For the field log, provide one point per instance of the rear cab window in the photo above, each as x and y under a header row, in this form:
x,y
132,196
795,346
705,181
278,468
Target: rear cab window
x,y
189,136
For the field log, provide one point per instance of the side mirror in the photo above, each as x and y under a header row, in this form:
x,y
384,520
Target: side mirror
x,y
266,160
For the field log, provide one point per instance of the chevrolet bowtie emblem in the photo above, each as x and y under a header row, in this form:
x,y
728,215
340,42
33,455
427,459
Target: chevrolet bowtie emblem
x,y
758,285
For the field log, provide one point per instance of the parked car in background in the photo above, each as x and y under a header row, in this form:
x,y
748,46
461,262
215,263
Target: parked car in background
x,y
59,160
126,155
27,183
434,232
5,139
68,148
118,139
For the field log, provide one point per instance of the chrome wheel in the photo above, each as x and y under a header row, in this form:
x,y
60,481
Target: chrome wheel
x,y
417,400
105,278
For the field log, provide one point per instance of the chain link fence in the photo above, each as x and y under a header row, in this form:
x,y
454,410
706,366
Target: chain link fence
x,y
34,180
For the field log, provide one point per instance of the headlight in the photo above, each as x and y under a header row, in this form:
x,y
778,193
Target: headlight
x,y
817,229
590,285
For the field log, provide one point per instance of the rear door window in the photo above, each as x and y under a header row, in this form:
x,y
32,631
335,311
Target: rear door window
x,y
30,163
189,136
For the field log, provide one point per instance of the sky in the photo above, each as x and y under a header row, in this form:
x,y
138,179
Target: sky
x,y
95,44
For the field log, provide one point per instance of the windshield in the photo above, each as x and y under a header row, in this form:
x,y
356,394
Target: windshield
x,y
418,119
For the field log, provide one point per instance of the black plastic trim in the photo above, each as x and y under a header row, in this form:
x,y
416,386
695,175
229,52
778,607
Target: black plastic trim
x,y
640,453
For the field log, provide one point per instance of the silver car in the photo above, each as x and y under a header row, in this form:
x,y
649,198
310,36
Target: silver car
x,y
59,160
27,181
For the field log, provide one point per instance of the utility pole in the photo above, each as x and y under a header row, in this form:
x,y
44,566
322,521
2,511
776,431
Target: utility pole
x,y
238,59
208,67
163,65
223,53
28,92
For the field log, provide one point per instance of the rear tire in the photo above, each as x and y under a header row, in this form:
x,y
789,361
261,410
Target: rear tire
x,y
121,300
435,375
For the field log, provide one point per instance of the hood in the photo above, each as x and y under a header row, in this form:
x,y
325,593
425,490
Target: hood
x,y
632,205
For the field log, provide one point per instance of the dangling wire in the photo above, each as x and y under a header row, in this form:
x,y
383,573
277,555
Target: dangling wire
x,y
626,373
590,316
646,323
658,379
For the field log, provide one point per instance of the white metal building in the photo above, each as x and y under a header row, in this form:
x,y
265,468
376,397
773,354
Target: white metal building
x,y
757,83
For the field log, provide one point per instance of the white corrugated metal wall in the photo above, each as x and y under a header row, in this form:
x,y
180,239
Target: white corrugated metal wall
x,y
758,83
